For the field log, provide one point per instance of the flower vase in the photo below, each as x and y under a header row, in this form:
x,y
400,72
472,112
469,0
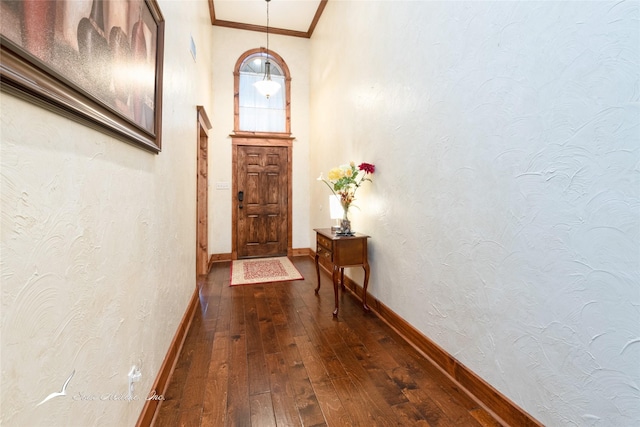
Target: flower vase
x,y
345,223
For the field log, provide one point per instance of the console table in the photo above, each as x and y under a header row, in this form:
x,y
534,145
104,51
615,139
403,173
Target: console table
x,y
341,252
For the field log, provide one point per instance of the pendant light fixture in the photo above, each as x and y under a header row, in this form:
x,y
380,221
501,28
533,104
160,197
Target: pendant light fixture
x,y
266,86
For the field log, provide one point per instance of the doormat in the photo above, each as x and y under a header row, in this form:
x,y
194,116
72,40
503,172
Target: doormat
x,y
263,270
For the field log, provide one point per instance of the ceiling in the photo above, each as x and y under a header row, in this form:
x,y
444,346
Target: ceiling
x,y
296,18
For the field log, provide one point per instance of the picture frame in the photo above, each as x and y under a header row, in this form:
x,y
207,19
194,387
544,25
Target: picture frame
x,y
96,62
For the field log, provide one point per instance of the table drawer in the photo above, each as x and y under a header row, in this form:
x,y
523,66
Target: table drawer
x,y
323,252
322,240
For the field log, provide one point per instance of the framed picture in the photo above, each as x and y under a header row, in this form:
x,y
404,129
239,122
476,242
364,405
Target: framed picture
x,y
97,62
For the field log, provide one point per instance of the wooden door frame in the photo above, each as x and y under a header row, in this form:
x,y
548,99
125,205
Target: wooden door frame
x,y
258,139
202,215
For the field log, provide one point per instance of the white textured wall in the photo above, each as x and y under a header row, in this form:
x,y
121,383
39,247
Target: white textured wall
x,y
228,45
97,246
505,208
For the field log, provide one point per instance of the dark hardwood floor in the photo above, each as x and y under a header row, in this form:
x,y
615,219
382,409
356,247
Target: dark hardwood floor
x,y
273,355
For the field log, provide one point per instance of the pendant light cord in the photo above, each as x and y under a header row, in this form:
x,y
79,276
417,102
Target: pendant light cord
x,y
266,86
267,64
268,28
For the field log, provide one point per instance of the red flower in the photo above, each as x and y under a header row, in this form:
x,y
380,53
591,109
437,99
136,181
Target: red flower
x,y
367,167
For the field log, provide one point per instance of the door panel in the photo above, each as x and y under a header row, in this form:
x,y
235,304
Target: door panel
x,y
262,215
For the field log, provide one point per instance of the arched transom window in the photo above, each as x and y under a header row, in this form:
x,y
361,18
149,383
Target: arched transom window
x,y
254,112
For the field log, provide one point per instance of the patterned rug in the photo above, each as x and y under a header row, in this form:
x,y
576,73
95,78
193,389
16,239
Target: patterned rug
x,y
263,270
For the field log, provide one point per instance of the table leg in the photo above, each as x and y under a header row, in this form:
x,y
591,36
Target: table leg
x,y
342,278
364,288
317,272
335,288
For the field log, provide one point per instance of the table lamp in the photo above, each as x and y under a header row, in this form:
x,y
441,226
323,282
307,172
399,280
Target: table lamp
x,y
336,212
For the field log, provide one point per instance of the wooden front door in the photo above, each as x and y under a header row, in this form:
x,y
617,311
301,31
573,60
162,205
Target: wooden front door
x,y
262,201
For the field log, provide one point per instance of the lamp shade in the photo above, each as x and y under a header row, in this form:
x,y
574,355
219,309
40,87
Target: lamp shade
x,y
267,87
335,207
